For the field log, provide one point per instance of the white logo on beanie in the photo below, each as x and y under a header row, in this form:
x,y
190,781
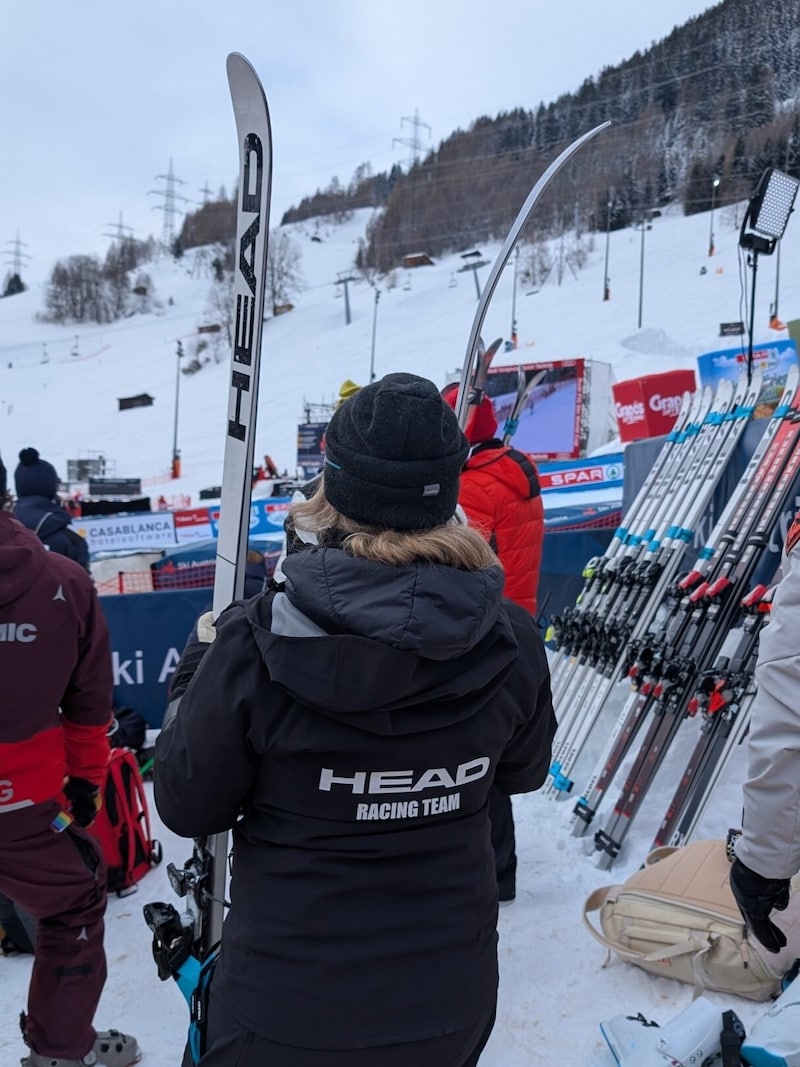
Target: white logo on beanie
x,y
431,490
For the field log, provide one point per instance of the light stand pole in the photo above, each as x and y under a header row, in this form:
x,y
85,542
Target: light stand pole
x,y
176,456
606,279
774,321
714,185
374,328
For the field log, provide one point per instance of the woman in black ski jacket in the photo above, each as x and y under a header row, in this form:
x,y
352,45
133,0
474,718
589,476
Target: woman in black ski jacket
x,y
348,726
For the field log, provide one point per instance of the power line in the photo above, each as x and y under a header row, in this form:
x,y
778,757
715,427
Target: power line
x,y
120,234
169,206
414,142
16,255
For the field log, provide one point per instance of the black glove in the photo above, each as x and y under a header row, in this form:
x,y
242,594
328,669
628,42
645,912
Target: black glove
x,y
757,897
84,799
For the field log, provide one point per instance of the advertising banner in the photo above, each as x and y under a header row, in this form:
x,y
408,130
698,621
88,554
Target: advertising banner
x,y
310,453
550,425
266,515
193,524
602,472
131,533
648,406
775,357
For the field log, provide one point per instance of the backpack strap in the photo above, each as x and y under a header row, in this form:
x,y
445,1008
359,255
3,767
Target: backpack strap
x,y
529,470
520,458
41,523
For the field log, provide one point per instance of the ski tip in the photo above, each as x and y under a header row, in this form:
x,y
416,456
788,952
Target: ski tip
x,y
236,59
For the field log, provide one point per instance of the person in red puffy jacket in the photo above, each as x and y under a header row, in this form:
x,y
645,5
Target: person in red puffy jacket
x,y
499,493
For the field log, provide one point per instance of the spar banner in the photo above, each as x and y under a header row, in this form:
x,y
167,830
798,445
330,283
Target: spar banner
x,y
602,472
133,532
266,515
774,357
550,426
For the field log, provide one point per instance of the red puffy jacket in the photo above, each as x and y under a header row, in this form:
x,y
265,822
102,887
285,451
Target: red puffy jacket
x,y
500,494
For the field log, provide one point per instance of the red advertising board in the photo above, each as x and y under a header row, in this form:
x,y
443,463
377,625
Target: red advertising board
x,y
648,406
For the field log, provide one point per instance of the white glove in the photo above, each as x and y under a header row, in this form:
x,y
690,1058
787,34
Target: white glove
x,y
206,630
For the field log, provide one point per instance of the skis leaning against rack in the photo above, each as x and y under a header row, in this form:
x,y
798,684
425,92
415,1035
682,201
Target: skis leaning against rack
x,y
633,585
185,946
705,607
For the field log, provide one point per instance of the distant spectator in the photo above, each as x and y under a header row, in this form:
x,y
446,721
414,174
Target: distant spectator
x,y
39,508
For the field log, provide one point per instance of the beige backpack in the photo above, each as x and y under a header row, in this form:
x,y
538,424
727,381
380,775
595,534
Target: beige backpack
x,y
676,917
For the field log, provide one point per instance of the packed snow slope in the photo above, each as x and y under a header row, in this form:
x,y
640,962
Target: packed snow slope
x,y
66,404
555,987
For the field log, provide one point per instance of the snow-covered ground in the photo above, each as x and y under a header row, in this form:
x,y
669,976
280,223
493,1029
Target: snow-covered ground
x,y
555,988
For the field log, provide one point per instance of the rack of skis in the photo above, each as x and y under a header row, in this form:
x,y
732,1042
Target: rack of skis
x,y
649,646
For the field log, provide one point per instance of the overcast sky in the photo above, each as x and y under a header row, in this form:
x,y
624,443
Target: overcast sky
x,y
98,97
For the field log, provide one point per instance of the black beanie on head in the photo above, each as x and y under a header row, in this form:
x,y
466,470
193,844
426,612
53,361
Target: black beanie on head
x,y
393,455
35,476
3,480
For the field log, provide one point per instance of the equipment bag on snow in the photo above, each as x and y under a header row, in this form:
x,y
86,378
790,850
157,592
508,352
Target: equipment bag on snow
x,y
122,826
676,917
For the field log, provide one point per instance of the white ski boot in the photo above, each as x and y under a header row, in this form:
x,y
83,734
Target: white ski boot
x,y
691,1039
111,1049
774,1040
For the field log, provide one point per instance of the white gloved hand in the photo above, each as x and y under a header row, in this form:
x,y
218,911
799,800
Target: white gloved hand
x,y
206,630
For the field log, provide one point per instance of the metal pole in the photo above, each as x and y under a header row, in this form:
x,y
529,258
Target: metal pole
x,y
774,314
752,320
477,283
177,395
641,272
374,327
714,185
514,299
606,280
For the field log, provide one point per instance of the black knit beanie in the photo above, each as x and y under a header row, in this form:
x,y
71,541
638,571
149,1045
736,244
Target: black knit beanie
x,y
393,455
34,476
3,480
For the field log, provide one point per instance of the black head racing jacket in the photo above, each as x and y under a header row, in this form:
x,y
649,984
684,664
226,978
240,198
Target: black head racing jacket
x,y
348,729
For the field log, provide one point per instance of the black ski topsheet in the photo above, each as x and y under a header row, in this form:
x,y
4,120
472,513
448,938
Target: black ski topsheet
x,y
254,135
184,946
503,257
252,232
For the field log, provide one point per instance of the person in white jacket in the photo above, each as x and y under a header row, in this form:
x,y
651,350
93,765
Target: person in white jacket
x,y
768,850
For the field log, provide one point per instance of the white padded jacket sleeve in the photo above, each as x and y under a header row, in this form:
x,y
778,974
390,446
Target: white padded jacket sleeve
x,y
770,842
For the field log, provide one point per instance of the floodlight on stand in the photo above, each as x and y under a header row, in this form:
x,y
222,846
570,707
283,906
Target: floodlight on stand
x,y
762,227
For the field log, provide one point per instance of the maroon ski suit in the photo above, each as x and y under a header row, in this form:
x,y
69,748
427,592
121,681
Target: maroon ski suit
x,y
55,666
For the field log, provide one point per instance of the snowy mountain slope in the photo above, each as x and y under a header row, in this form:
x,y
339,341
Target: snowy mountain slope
x,y
67,407
554,986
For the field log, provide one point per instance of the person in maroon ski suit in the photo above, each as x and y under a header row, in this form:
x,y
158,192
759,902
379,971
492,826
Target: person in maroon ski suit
x,y
55,663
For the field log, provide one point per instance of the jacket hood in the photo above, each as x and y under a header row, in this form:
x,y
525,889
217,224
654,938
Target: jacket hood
x,y
393,649
22,558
